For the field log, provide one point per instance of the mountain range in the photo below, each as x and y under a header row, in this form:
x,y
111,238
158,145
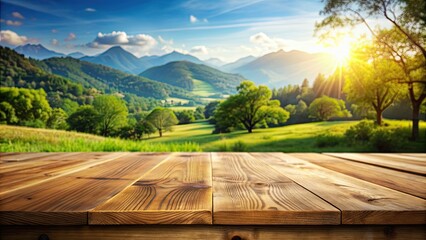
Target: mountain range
x,y
37,51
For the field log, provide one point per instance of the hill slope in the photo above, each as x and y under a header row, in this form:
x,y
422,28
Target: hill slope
x,y
281,68
37,51
183,73
108,79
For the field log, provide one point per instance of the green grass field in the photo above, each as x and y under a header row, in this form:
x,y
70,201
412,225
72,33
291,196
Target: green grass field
x,y
203,89
292,138
197,137
22,139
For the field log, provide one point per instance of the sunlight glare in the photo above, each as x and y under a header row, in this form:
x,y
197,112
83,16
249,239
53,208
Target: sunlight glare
x,y
342,50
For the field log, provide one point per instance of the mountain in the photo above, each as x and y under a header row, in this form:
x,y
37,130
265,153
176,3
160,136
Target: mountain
x,y
76,55
108,79
240,62
118,58
214,62
189,76
37,51
170,57
282,68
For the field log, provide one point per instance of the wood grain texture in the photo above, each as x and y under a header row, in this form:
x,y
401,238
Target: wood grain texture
x,y
406,165
20,157
405,182
361,202
176,191
78,192
184,232
28,173
249,191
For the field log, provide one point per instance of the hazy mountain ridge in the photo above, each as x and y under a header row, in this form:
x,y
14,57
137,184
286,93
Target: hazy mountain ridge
x,y
37,51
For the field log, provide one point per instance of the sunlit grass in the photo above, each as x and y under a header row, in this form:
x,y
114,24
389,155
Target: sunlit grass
x,y
21,139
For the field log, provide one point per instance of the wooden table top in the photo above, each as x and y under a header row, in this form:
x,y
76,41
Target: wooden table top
x,y
212,188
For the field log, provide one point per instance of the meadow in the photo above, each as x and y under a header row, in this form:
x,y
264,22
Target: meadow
x,y
197,137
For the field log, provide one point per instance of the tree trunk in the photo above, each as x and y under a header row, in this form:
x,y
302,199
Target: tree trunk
x,y
416,114
250,129
379,117
160,131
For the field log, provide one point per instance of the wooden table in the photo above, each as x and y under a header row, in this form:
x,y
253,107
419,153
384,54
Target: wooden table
x,y
212,196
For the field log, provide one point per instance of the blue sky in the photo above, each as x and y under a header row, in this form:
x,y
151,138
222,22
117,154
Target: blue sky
x,y
226,29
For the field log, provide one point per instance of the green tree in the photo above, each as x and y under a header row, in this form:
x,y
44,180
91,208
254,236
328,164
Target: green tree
x,y
85,119
162,119
112,113
210,109
185,116
407,42
251,106
144,127
199,113
7,113
57,119
371,80
29,104
324,108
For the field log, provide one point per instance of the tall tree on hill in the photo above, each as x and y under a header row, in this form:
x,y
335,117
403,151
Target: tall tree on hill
x,y
408,20
112,113
162,119
251,106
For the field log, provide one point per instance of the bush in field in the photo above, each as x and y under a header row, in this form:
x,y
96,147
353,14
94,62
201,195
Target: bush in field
x,y
185,116
388,140
327,140
361,131
324,108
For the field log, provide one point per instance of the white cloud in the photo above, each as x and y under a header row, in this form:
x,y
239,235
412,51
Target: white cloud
x,y
17,15
90,10
54,42
165,42
54,30
200,50
266,42
71,37
13,23
193,19
103,40
12,38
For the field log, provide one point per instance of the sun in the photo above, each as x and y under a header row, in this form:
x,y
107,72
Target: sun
x,y
341,51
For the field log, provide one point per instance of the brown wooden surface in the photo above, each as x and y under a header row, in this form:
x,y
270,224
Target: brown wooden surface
x,y
176,191
360,202
185,232
397,163
249,191
213,188
405,182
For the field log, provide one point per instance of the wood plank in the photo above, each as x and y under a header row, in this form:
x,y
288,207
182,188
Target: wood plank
x,y
401,181
28,173
184,232
397,157
20,157
411,166
74,194
249,191
177,191
361,202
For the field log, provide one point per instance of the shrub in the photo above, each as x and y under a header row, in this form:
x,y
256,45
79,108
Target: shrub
x,y
361,131
388,140
327,140
239,146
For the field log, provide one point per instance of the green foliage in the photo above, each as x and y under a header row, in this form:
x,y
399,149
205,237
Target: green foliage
x,y
388,140
249,107
328,140
85,119
162,119
27,104
199,113
112,113
324,108
185,116
7,113
35,123
210,109
57,119
360,132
